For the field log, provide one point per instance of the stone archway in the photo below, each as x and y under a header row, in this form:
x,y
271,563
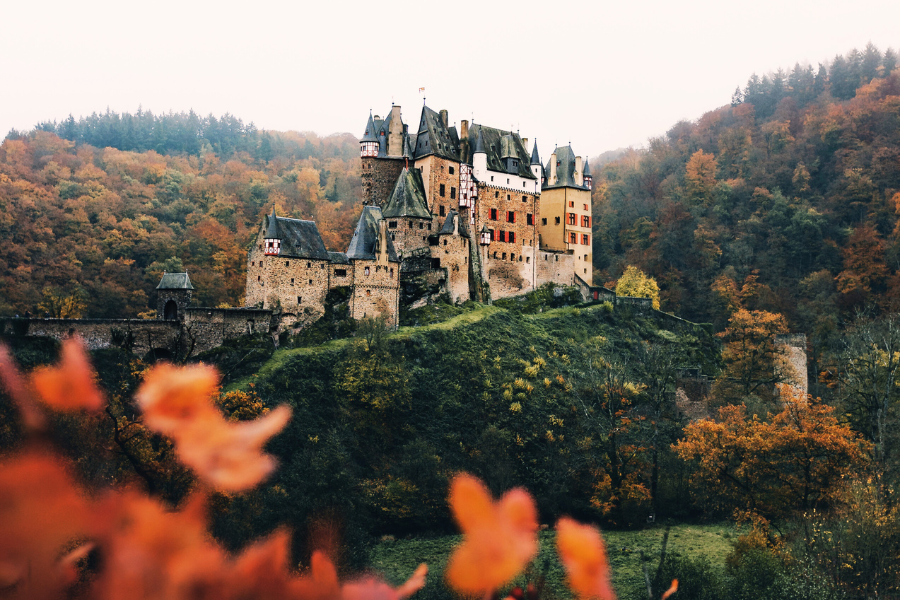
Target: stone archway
x,y
170,312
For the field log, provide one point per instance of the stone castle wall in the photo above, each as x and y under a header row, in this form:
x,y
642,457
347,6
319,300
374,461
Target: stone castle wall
x,y
409,234
208,328
452,255
379,176
376,291
141,336
555,267
436,172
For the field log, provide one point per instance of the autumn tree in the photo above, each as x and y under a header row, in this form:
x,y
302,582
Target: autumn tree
x,y
769,470
700,177
635,283
752,361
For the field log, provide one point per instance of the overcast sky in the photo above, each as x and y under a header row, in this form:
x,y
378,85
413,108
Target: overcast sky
x,y
600,74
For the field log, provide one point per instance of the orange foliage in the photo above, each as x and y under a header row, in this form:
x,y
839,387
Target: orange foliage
x,y
500,537
179,402
583,554
69,385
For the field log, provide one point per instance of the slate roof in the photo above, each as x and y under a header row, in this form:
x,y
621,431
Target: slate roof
x,y
339,258
364,243
370,134
587,169
447,229
565,170
408,198
496,143
433,138
535,157
175,281
299,239
272,227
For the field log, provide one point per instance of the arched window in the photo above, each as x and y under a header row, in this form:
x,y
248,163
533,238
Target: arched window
x,y
170,312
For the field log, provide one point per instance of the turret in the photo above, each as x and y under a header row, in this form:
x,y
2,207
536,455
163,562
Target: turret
x,y
551,177
588,180
368,145
479,157
173,295
536,168
579,170
273,236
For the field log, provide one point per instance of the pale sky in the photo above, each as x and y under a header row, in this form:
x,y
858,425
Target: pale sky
x,y
602,75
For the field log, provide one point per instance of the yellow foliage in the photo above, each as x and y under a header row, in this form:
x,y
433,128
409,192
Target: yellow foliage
x,y
635,283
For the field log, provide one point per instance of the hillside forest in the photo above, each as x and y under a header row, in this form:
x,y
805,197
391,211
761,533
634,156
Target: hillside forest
x,y
778,213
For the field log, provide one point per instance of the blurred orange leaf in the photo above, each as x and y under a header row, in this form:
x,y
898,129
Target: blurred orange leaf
x,y
583,554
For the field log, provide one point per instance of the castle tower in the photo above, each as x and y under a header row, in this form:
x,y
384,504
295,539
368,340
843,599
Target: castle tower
x,y
173,295
588,180
375,291
406,213
368,145
536,168
479,157
381,152
272,241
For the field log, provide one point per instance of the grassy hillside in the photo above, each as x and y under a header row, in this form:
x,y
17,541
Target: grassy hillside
x,y
396,559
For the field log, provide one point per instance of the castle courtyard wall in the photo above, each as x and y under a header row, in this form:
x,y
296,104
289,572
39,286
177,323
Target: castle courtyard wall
x,y
379,176
375,293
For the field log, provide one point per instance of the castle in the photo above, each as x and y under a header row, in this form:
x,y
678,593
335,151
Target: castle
x,y
465,214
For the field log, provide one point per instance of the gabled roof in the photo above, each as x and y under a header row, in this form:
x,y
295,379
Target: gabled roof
x,y
565,169
369,135
497,142
434,138
535,157
299,239
408,198
175,281
364,243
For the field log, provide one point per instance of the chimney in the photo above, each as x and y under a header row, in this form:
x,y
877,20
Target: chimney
x,y
579,171
551,180
463,129
444,117
456,224
382,241
525,143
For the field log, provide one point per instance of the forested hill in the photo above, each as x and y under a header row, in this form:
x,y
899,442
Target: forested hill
x,y
88,224
785,201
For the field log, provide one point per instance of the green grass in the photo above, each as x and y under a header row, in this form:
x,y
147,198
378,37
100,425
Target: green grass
x,y
396,560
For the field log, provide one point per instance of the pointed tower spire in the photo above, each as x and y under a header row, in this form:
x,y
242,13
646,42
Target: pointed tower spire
x,y
535,157
369,145
272,229
369,135
479,143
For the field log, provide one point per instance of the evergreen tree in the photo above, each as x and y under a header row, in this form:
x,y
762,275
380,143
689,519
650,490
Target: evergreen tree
x,y
888,62
737,97
871,60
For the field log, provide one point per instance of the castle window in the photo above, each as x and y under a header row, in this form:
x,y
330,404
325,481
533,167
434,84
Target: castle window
x,y
512,236
435,263
527,260
512,257
503,239
367,271
510,216
451,170
495,255
292,281
529,218
310,282
260,246
443,210
308,265
322,266
299,300
507,183
585,221
585,207
410,224
573,238
392,237
429,227
452,193
524,198
340,272
445,242
543,221
504,256
442,168
493,214
253,263
571,204
421,225
368,292
572,218
515,163
585,239
258,278
442,190
392,224
392,273
492,177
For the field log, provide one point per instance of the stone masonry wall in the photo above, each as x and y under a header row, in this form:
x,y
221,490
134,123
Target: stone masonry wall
x,y
379,176
376,292
554,267
452,254
409,234
140,335
436,172
207,328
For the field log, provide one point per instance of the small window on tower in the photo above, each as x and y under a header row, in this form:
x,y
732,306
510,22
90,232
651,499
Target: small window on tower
x,y
585,239
308,265
310,282
493,214
529,219
573,238
442,190
524,198
557,220
571,204
443,210
392,224
452,193
512,257
571,218
512,236
292,281
451,170
299,300
585,207
503,239
258,278
585,221
253,263
340,272
510,216
368,292
543,221
421,225
367,271
392,270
